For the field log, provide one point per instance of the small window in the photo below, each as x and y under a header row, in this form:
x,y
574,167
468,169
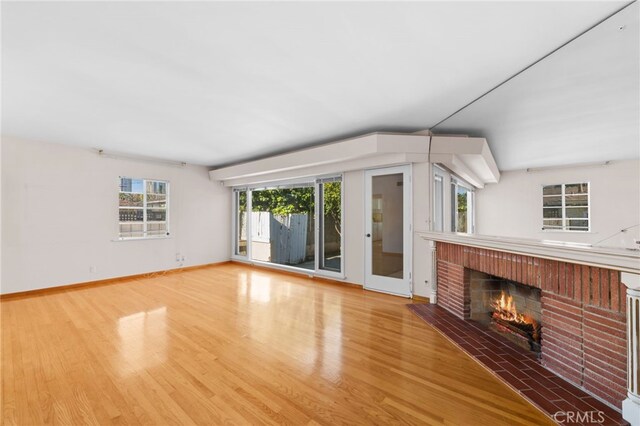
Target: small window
x,y
438,203
240,200
565,207
461,207
143,208
329,197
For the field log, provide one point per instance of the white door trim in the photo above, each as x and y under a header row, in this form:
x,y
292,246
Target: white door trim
x,y
396,286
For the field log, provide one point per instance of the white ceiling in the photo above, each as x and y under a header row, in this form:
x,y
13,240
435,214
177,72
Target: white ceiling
x,y
215,83
579,105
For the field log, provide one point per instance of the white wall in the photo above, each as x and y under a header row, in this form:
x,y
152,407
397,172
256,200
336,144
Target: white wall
x,y
1,215
59,217
353,228
422,267
513,207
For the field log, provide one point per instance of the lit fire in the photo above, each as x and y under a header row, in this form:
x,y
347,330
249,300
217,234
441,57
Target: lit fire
x,y
507,319
505,309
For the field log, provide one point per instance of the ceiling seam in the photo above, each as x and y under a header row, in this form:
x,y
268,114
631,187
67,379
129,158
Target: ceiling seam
x,y
532,64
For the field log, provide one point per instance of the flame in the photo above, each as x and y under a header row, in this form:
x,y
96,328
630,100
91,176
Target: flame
x,y
505,308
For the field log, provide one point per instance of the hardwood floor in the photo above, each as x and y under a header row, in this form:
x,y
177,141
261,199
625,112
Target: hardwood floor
x,y
236,345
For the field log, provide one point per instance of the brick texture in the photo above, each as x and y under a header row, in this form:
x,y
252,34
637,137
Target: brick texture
x,y
583,312
563,337
454,289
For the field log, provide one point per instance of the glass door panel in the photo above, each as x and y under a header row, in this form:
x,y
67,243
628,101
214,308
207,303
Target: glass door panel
x,y
388,230
387,219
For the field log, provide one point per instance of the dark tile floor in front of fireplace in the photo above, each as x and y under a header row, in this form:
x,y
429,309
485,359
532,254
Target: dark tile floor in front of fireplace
x,y
517,367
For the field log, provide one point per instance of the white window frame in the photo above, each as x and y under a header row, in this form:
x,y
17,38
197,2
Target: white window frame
x,y
438,205
144,210
320,210
315,181
235,203
471,210
564,207
449,204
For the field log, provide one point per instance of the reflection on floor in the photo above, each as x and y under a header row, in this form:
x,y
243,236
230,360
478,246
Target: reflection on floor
x,y
231,344
386,264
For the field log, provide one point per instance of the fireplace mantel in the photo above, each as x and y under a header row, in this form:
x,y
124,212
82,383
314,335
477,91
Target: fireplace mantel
x,y
624,260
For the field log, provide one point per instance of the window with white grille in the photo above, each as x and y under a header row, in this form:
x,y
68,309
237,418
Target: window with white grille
x,y
143,208
565,207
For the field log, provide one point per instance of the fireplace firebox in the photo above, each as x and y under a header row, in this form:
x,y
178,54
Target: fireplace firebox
x,y
507,308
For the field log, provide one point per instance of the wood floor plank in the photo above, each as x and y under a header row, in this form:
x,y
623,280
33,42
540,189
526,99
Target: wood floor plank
x,y
232,344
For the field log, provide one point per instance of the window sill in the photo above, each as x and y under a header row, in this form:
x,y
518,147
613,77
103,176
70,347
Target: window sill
x,y
117,240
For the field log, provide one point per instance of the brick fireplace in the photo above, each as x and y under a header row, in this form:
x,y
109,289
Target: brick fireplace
x,y
583,311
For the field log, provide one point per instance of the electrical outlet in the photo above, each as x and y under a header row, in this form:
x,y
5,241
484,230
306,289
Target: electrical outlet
x,y
92,269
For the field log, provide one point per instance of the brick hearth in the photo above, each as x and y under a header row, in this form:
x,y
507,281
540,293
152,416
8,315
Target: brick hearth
x,y
583,312
517,367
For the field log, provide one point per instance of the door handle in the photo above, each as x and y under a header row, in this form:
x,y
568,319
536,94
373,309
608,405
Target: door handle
x,y
368,235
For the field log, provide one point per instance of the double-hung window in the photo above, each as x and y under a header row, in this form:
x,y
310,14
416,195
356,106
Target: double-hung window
x,y
565,207
143,208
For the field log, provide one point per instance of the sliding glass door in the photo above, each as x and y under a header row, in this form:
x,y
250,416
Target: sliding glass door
x,y
296,225
282,225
